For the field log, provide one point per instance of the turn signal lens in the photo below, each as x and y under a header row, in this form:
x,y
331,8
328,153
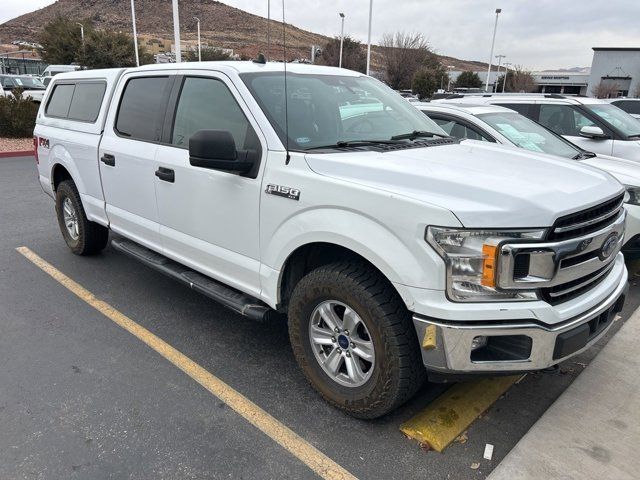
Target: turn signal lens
x,y
489,263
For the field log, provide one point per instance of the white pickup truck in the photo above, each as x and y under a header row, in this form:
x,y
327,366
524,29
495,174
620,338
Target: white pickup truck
x,y
395,252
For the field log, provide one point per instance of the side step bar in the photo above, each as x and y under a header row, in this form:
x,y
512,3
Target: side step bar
x,y
229,297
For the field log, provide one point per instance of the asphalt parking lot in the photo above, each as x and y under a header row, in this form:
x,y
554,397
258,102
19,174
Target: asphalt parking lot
x,y
80,397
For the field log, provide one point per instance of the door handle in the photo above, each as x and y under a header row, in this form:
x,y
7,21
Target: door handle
x,y
166,174
108,159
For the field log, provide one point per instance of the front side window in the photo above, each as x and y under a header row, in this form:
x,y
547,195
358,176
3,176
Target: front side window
x,y
323,110
142,106
457,129
527,134
615,117
563,119
207,104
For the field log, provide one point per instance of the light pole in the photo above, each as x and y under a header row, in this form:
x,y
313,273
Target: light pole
x,y
199,50
506,72
495,86
369,37
176,31
493,41
81,32
135,34
341,39
450,67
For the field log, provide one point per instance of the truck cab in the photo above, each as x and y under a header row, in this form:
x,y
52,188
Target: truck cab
x,y
320,197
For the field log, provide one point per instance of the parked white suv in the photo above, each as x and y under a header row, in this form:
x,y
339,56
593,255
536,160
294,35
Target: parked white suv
x,y
390,246
492,123
591,123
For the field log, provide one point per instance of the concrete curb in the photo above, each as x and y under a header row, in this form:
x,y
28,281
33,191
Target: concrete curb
x,y
22,153
592,431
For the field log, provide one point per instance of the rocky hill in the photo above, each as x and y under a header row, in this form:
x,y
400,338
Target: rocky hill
x,y
221,26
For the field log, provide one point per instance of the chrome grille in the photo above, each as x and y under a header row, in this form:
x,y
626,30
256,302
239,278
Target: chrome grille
x,y
577,254
586,221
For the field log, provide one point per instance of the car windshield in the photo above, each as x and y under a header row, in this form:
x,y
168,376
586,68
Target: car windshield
x,y
617,118
29,83
527,134
333,110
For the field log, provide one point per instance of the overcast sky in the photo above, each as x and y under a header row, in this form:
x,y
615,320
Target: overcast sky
x,y
537,34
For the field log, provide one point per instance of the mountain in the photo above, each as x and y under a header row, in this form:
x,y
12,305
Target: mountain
x,y
221,26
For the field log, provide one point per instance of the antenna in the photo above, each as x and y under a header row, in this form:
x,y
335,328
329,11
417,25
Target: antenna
x,y
286,96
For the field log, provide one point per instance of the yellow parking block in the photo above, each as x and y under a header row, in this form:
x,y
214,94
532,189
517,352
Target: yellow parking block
x,y
452,412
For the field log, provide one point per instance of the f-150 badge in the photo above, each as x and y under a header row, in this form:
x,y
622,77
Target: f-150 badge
x,y
281,191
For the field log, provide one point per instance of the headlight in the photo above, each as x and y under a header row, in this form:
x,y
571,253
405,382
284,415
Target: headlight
x,y
632,197
472,260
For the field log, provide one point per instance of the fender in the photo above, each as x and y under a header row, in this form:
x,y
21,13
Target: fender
x,y
414,265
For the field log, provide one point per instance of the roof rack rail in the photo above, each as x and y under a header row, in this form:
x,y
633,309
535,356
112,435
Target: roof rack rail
x,y
554,95
453,95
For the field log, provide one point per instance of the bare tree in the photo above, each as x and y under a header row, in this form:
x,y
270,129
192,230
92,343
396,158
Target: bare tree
x,y
636,91
606,89
403,54
519,80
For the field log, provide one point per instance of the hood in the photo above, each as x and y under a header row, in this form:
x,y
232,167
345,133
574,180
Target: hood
x,y
625,171
484,185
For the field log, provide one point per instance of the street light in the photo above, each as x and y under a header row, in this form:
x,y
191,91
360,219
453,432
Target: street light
x,y
341,39
449,67
506,72
493,41
499,57
81,32
176,30
135,35
199,51
369,36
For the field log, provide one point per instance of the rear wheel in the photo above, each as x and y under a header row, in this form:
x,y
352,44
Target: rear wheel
x,y
354,339
82,236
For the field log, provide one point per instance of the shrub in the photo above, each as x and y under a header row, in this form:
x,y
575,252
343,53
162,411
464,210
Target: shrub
x,y
17,115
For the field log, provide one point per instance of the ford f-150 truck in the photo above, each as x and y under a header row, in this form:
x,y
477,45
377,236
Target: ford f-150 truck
x,y
395,252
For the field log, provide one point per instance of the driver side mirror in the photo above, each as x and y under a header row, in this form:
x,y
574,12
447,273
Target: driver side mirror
x,y
591,131
216,149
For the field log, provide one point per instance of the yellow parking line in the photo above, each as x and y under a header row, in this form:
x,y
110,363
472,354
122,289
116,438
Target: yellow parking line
x,y
451,413
278,432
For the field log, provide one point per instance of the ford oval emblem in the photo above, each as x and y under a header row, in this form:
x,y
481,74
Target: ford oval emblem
x,y
608,246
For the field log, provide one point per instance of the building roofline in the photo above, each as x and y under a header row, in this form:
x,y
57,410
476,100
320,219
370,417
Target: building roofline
x,y
616,49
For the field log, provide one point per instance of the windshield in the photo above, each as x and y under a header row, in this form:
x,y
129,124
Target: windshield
x,y
325,110
617,118
29,83
527,134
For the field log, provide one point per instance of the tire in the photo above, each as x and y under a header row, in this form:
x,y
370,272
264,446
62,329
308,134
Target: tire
x,y
84,237
395,373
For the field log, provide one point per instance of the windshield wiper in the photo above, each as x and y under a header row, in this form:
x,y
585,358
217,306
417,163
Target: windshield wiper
x,y
583,155
418,133
354,143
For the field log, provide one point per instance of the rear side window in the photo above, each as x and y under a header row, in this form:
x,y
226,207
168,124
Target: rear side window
x,y
80,102
60,101
142,106
86,101
629,106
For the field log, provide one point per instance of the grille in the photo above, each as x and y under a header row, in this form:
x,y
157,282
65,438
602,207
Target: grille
x,y
586,221
567,291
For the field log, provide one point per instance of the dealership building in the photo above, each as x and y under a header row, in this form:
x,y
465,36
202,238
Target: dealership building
x,y
570,83
616,68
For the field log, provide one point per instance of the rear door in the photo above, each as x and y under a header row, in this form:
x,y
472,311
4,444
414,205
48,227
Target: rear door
x,y
127,155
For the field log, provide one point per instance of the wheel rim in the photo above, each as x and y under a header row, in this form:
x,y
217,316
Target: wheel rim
x,y
341,343
70,217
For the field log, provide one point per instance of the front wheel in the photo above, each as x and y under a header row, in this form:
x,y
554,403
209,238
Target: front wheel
x,y
82,236
354,339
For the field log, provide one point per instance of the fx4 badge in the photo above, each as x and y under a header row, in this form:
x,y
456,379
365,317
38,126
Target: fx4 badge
x,y
286,192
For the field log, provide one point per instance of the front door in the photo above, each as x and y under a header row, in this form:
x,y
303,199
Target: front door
x,y
209,219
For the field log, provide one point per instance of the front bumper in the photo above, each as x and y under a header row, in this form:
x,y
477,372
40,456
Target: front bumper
x,y
515,345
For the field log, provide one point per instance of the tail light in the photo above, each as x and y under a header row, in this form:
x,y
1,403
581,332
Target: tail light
x,y
35,149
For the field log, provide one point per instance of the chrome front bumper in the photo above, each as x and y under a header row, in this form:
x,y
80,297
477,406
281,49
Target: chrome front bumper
x,y
447,346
